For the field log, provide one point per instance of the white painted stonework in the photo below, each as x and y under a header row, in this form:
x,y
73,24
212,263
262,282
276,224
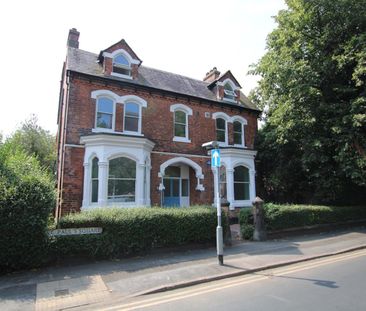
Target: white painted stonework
x,y
231,158
106,147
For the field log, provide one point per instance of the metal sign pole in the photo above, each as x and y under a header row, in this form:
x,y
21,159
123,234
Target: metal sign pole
x,y
219,234
215,166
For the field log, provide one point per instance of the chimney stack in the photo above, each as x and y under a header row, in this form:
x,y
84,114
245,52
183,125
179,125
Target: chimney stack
x,y
212,75
73,38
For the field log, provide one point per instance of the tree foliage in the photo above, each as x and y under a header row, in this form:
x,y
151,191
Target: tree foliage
x,y
27,197
312,147
35,141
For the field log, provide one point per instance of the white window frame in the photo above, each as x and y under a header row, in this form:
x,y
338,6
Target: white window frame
x,y
126,67
222,115
140,103
128,58
110,202
139,119
241,182
92,179
103,129
227,92
225,131
243,122
188,112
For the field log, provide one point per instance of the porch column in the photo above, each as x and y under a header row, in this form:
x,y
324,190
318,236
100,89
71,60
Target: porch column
x,y
102,183
148,176
139,194
86,185
252,185
230,187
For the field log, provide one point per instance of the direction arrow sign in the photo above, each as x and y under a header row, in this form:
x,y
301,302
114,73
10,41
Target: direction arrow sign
x,y
215,158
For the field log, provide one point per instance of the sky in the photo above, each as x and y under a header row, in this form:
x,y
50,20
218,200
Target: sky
x,y
187,37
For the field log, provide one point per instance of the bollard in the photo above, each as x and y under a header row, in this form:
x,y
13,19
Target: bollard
x,y
259,233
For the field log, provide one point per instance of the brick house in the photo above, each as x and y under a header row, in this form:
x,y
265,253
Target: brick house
x,y
130,135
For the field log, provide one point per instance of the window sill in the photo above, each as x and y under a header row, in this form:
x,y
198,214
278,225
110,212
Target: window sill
x,y
102,130
240,146
122,204
229,100
109,205
132,133
119,75
181,139
241,203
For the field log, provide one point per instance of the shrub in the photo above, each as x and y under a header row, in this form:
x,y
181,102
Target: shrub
x,y
278,217
134,230
246,223
26,198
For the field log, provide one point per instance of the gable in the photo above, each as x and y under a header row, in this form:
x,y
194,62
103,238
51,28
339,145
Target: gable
x,y
225,77
121,45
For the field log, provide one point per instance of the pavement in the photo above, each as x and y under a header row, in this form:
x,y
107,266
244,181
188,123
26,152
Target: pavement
x,y
83,285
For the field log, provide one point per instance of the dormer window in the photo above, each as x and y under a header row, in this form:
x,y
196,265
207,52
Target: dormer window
x,y
121,65
229,93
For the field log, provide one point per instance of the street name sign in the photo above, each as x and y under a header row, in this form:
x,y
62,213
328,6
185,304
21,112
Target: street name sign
x,y
75,231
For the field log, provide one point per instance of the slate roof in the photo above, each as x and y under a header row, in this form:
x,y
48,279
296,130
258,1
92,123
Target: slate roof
x,y
87,63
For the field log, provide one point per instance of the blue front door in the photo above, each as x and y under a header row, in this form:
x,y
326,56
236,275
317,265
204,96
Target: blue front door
x,y
172,192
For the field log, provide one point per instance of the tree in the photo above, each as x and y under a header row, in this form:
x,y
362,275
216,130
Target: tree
x,y
35,141
313,90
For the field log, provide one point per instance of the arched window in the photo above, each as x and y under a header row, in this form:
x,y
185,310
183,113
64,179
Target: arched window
x,y
180,124
180,121
94,180
121,180
238,133
105,113
241,183
132,117
221,130
223,191
121,65
229,93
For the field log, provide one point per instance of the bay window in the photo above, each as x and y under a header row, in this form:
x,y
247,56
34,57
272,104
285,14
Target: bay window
x,y
241,183
121,180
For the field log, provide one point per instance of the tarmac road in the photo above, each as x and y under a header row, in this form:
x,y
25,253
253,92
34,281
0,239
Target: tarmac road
x,y
333,283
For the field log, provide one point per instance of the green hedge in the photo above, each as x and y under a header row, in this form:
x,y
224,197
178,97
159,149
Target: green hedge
x,y
134,230
26,200
278,217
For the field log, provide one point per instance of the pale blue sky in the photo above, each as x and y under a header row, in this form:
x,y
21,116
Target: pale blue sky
x,y
185,37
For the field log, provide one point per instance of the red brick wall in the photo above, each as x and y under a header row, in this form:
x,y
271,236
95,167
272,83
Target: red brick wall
x,y
71,198
157,120
157,125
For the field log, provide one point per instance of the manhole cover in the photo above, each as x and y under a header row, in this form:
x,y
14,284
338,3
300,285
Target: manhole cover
x,y
61,292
